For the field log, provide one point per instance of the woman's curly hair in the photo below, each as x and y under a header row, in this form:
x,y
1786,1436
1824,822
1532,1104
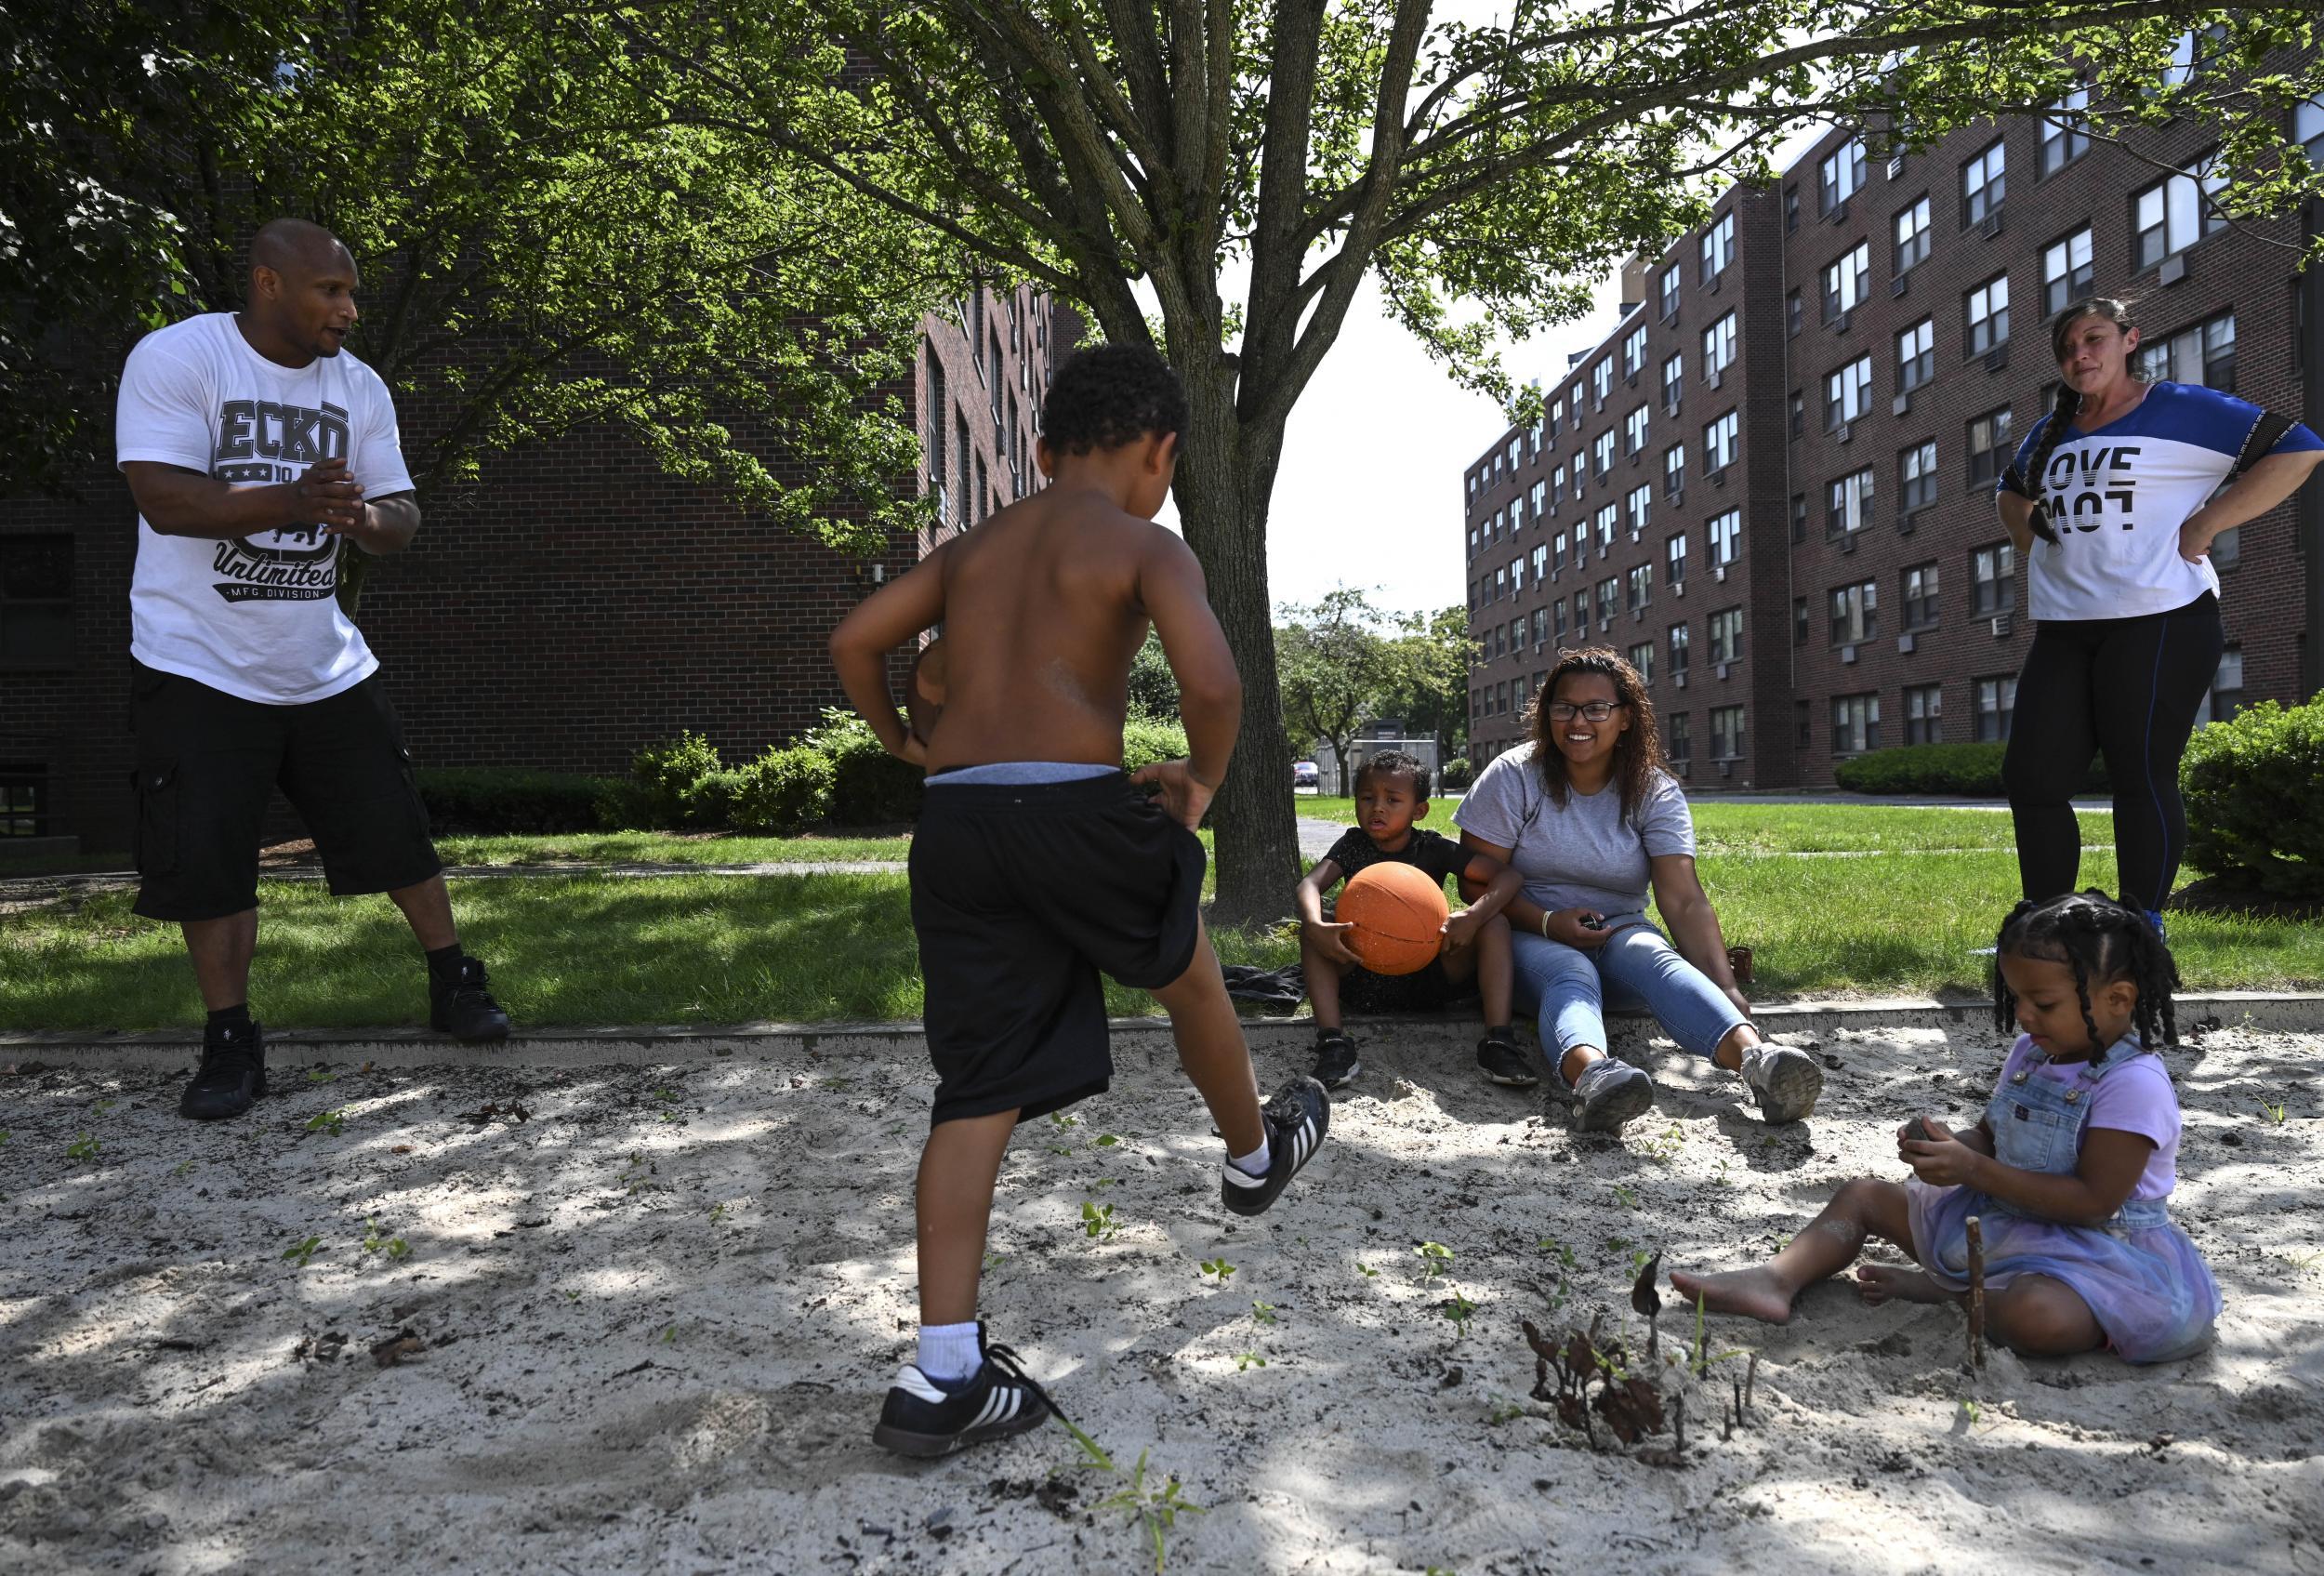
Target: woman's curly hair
x,y
1637,754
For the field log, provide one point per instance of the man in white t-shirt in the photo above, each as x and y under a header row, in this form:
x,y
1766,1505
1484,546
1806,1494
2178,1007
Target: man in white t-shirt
x,y
256,451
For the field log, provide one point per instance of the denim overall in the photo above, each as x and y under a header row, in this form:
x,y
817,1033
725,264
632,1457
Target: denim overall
x,y
2037,1125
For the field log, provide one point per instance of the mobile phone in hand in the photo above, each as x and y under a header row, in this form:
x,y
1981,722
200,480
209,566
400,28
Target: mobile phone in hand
x,y
1591,921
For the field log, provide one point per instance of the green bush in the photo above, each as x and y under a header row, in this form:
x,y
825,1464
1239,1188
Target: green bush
x,y
709,799
1148,739
665,775
496,798
1456,775
1972,770
869,786
782,791
2254,784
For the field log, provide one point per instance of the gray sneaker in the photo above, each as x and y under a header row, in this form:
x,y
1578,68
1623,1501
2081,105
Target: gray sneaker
x,y
1607,1094
1785,1082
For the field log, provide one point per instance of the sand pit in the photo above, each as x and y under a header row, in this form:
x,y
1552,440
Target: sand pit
x,y
642,1317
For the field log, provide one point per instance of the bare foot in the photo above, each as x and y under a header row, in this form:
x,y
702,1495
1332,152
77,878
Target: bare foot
x,y
1754,1293
1879,1283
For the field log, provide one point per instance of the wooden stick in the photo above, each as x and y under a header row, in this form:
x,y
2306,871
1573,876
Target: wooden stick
x,y
1750,1376
1976,1292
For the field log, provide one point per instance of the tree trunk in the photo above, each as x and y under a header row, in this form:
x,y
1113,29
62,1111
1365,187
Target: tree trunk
x,y
1224,480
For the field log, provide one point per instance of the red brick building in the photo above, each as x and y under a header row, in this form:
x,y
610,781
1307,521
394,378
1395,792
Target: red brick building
x,y
1829,576
570,607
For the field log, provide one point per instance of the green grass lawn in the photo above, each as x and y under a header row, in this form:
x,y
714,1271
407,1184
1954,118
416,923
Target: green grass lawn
x,y
709,950
666,848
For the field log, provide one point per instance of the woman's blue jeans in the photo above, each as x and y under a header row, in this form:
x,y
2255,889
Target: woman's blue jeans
x,y
1570,990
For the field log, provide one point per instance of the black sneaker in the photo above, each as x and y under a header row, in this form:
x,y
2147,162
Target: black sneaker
x,y
923,1418
232,1077
1336,1062
1296,1120
1501,1059
1607,1094
462,1007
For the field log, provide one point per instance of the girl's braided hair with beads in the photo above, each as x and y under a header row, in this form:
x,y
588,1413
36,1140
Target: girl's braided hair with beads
x,y
2102,941
2068,405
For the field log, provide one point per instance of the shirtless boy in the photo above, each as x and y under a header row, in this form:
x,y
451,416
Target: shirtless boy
x,y
1037,863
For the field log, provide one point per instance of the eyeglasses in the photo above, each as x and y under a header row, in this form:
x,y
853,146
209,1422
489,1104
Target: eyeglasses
x,y
1596,710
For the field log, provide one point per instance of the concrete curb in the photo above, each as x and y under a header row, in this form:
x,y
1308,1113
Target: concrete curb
x,y
1143,1041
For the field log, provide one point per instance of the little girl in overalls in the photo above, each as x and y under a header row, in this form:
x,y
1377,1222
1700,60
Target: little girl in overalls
x,y
2070,1170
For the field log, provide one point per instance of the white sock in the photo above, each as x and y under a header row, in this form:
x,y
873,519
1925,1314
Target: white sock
x,y
1255,1163
949,1353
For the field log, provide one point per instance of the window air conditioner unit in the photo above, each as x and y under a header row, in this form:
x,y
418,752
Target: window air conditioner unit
x,y
1904,524
2001,625
1839,433
1722,669
2173,269
1848,655
1901,403
1848,541
1678,495
1726,768
1839,212
1905,644
1896,285
1719,573
1997,358
1896,166
1686,768
1991,225
1629,379
1715,376
1678,680
1840,323
1719,477
1678,587
1713,288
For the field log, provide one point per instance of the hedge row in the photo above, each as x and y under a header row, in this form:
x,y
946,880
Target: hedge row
x,y
1972,770
2254,788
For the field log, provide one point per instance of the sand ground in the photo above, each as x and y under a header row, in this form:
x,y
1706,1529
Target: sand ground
x,y
641,1319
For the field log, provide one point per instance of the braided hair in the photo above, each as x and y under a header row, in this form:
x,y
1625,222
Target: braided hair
x,y
2068,405
2100,940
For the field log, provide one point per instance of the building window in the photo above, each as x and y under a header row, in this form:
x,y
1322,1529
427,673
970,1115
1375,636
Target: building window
x,y
1678,744
36,600
1557,617
1799,414
1997,698
1671,291
2066,273
1916,356
1925,714
1727,535
1920,596
1992,580
1719,347
1642,656
1917,468
2204,353
2065,131
1607,518
1500,582
1790,208
1718,248
1912,236
1540,626
1794,316
1601,382
1845,281
1641,581
1720,440
1987,307
984,504
968,463
1854,612
1803,735
1638,509
1855,723
936,409
1989,446
2226,689
1678,649
1609,603
1848,393
1634,431
1523,693
1726,733
1848,504
1556,418
1674,560
2174,213
1634,352
1726,635
2307,129
23,800
1673,380
1602,454
1674,469
1581,616
1539,494
1799,620
1540,564
1840,176
1799,518
1557,552
1984,183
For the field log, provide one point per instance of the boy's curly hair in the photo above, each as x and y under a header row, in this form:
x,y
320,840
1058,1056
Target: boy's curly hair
x,y
1388,763
1110,395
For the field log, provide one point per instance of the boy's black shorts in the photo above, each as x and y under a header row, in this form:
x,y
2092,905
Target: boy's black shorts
x,y
1021,895
206,763
1426,990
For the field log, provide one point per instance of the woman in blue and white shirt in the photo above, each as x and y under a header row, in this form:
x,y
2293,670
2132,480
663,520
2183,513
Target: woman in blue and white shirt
x,y
2111,506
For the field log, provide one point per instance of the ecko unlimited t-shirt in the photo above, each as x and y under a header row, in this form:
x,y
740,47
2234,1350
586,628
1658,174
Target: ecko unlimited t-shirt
x,y
256,616
2117,497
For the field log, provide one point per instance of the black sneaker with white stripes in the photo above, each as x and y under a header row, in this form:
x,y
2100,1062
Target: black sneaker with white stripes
x,y
1296,1120
923,1418
1336,1061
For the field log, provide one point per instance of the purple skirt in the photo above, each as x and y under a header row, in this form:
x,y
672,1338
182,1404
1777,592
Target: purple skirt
x,y
2149,1290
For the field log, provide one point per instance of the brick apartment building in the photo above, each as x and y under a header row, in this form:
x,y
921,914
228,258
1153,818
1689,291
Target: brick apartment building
x,y
571,605
1770,484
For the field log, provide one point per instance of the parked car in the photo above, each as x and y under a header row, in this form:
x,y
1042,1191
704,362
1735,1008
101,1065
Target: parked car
x,y
1305,774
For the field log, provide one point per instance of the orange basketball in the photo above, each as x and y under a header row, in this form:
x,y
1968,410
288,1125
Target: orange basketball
x,y
1399,917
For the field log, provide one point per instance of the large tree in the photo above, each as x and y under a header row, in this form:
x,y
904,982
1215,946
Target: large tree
x,y
543,247
1336,669
1217,176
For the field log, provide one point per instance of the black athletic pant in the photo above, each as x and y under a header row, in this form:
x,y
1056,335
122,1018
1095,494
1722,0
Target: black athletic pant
x,y
2130,687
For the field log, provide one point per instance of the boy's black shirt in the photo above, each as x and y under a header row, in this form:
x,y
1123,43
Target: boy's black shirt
x,y
1432,851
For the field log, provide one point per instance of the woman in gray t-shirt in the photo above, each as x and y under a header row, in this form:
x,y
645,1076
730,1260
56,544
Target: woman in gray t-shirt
x,y
1587,815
